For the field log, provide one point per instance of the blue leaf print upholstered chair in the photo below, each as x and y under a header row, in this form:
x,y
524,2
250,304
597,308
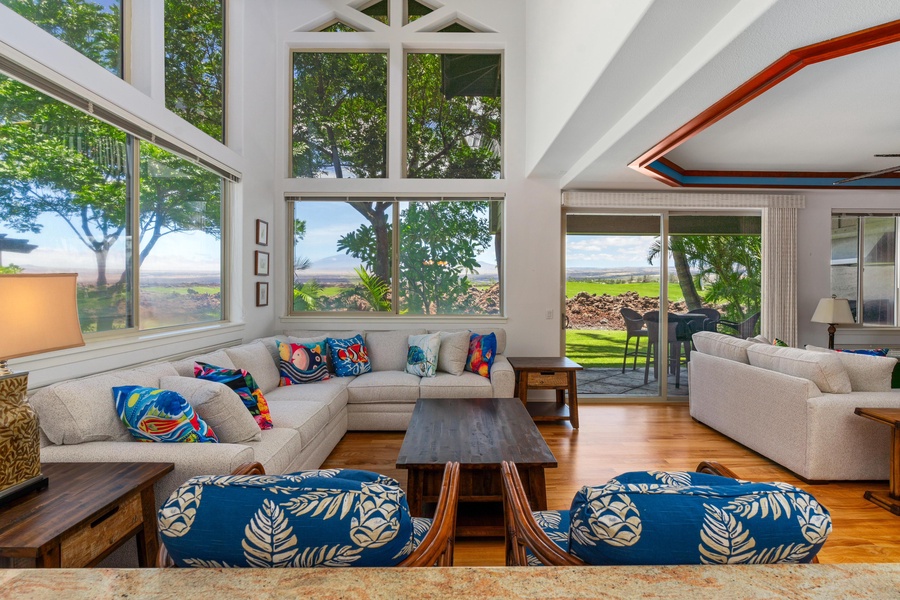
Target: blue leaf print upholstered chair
x,y
322,518
667,518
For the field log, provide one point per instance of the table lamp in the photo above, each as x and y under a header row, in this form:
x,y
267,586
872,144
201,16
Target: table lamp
x,y
833,311
38,313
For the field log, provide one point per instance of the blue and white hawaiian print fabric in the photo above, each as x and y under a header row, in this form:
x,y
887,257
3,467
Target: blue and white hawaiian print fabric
x,y
694,518
325,518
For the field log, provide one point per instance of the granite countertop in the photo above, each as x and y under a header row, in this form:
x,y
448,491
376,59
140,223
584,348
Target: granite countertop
x,y
473,583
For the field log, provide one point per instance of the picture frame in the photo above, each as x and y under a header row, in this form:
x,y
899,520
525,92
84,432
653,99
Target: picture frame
x,y
262,232
261,263
262,293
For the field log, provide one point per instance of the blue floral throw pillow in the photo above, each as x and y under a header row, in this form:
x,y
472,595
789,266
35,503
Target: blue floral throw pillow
x,y
349,356
153,415
301,363
422,357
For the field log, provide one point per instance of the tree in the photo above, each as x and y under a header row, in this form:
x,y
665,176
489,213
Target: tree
x,y
731,265
195,65
339,130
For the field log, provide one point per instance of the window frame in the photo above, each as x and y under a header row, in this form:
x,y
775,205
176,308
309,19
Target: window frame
x,y
860,265
291,201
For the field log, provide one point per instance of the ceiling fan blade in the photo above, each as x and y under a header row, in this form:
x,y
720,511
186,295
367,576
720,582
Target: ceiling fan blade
x,y
867,175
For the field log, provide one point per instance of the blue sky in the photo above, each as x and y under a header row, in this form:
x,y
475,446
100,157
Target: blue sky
x,y
608,251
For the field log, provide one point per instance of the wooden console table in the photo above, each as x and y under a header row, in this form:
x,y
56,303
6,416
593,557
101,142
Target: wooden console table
x,y
88,510
889,416
548,373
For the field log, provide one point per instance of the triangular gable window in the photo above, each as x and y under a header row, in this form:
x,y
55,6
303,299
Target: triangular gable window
x,y
456,27
470,75
337,27
377,10
416,10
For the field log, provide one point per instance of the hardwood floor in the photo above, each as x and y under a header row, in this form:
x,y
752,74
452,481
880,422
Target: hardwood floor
x,y
615,438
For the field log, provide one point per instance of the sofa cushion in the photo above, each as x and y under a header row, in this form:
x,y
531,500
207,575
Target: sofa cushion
x,y
82,410
185,367
219,406
657,524
422,356
867,373
305,519
722,346
308,418
332,392
278,449
453,352
445,385
350,356
384,386
243,385
823,369
256,360
387,349
154,415
302,363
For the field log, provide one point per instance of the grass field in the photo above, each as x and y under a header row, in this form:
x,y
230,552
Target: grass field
x,y
650,289
596,348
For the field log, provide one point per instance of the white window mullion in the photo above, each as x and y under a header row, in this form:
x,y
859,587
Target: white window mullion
x,y
396,107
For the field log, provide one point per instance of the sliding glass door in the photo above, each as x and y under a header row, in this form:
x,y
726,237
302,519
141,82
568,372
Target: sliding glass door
x,y
633,302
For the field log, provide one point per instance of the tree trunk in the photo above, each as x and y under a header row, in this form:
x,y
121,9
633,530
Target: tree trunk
x,y
683,269
382,247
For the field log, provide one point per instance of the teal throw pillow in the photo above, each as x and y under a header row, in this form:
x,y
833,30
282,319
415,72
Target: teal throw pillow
x,y
153,415
422,357
349,356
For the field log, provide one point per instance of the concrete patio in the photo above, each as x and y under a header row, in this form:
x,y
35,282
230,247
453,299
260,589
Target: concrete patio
x,y
612,382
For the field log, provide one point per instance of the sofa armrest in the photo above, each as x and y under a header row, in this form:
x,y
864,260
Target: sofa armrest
x,y
503,377
198,459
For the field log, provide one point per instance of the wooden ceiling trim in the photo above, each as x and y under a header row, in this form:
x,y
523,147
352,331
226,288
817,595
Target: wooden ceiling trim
x,y
653,163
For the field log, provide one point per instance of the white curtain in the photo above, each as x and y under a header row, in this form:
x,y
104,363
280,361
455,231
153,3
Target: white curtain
x,y
779,273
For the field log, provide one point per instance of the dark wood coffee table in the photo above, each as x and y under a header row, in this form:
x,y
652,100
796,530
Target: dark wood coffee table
x,y
480,433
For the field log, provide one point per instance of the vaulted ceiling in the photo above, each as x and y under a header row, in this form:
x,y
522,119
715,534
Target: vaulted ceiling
x,y
743,93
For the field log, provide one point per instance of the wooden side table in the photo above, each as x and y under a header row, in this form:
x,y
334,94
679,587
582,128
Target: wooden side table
x,y
889,416
548,373
89,510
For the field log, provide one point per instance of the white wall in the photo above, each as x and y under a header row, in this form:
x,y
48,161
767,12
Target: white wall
x,y
813,262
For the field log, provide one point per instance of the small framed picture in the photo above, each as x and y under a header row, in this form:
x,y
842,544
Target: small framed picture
x,y
262,263
262,232
262,293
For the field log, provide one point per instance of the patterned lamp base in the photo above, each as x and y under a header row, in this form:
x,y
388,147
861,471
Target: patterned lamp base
x,y
20,447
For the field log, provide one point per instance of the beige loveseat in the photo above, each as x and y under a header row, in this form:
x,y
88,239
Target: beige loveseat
x,y
795,406
79,422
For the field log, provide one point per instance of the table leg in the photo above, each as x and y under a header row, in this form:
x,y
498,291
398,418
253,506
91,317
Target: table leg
x,y
147,540
415,490
573,400
49,558
891,500
523,388
535,487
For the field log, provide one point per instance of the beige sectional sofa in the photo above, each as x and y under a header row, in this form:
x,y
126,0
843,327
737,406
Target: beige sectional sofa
x,y
79,422
795,406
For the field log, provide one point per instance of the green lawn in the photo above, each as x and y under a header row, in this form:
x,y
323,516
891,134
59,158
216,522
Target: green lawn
x,y
181,290
651,289
596,348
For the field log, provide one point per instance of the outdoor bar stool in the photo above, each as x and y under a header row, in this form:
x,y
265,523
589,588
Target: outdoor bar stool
x,y
676,344
634,328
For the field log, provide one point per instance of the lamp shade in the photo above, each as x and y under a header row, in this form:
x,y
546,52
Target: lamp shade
x,y
833,310
38,313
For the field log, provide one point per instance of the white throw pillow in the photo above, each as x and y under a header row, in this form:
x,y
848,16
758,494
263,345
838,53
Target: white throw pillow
x,y
867,373
422,357
219,406
454,351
